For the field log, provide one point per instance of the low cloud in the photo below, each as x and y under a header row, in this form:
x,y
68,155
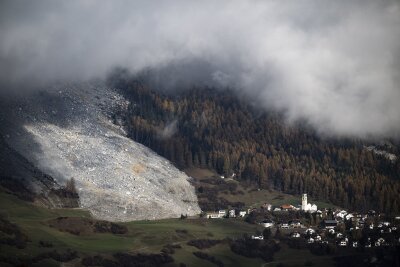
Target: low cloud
x,y
169,130
333,64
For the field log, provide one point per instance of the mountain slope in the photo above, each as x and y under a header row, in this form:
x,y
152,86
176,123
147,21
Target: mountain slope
x,y
72,132
216,129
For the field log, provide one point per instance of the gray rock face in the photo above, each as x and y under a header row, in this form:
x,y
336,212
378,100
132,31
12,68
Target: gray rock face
x,y
74,132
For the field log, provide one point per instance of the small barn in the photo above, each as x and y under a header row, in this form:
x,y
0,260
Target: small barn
x,y
329,224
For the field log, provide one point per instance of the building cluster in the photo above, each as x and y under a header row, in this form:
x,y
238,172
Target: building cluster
x,y
343,229
233,213
331,226
305,206
354,232
230,213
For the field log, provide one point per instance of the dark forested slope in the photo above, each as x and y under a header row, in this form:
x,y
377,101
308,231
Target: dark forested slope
x,y
215,129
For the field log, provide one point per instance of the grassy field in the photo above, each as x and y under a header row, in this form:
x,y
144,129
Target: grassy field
x,y
220,251
289,257
149,236
200,174
142,236
252,196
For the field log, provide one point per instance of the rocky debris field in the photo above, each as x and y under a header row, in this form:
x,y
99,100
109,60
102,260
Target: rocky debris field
x,y
76,131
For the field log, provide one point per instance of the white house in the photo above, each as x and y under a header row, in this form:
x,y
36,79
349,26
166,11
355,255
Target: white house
x,y
342,243
377,243
295,235
257,237
242,213
212,215
310,240
295,224
222,213
215,215
309,231
341,214
232,214
267,223
285,226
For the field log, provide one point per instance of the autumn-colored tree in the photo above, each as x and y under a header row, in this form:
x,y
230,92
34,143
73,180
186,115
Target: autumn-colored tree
x,y
221,131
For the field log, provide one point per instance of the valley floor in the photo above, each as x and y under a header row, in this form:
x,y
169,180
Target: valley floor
x,y
142,237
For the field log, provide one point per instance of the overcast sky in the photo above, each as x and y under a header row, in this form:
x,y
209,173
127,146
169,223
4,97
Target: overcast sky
x,y
335,64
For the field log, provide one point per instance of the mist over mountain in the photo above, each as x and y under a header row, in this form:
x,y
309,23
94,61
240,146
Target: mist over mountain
x,y
334,65
206,133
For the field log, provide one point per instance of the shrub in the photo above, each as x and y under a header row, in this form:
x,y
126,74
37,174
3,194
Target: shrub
x,y
98,261
267,233
203,243
209,258
170,248
129,260
65,256
255,248
109,227
45,244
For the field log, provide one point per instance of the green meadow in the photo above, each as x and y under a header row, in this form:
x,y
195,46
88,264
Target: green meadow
x,y
142,236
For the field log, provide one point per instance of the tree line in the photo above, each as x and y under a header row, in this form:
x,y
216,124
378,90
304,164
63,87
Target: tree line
x,y
215,129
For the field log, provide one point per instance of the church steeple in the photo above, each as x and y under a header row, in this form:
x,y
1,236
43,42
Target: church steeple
x,y
304,202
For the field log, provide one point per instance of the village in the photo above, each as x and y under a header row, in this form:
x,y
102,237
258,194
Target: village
x,y
308,225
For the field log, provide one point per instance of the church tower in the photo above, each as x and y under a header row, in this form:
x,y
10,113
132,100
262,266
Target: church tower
x,y
304,202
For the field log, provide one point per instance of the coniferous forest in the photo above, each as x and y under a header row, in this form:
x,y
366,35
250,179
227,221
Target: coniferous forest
x,y
209,128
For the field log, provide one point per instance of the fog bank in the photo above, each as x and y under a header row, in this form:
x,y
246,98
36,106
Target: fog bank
x,y
334,64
